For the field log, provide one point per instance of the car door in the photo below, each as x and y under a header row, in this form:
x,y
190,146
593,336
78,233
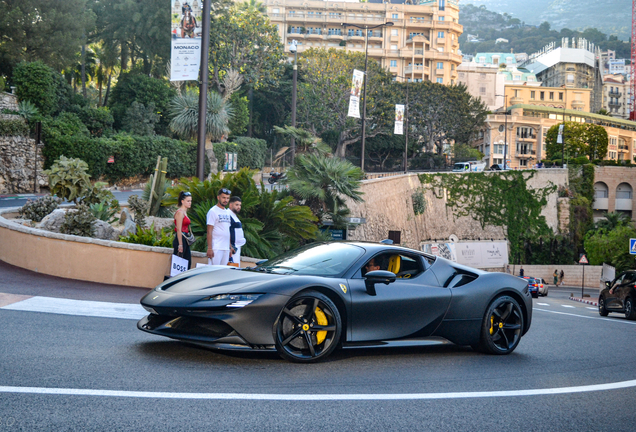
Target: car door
x,y
413,305
611,297
623,290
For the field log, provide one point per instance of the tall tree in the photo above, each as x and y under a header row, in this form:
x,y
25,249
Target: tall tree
x,y
323,96
45,30
581,139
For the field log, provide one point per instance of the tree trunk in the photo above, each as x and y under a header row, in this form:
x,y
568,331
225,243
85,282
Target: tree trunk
x,y
107,90
209,152
124,56
84,71
251,105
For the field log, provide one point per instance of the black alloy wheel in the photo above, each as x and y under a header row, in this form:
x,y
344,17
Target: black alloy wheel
x,y
501,327
630,312
602,311
308,328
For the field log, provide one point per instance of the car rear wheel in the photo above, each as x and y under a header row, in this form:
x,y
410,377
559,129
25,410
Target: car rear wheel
x,y
308,328
630,312
501,327
602,311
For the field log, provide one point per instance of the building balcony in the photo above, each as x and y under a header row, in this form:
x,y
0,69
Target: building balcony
x,y
623,204
615,104
530,154
335,36
614,94
623,148
417,69
395,21
531,137
314,35
600,204
418,22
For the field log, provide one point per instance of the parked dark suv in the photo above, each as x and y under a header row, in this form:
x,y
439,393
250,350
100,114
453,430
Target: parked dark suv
x,y
619,296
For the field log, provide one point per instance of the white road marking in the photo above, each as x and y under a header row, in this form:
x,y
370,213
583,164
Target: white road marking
x,y
568,306
318,397
79,307
591,308
589,317
543,304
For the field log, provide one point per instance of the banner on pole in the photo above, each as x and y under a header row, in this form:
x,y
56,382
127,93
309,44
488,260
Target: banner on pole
x,y
560,136
356,94
399,120
185,47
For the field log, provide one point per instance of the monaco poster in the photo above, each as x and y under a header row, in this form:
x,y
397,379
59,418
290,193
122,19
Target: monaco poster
x,y
185,53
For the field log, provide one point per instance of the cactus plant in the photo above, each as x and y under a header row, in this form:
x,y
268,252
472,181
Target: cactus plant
x,y
37,209
78,222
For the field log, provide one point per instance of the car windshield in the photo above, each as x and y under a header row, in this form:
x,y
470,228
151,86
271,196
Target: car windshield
x,y
319,259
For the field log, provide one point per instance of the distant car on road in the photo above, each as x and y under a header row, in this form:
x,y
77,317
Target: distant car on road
x,y
470,166
536,287
619,296
498,167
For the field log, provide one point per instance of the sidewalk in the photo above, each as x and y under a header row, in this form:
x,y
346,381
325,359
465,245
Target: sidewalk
x,y
575,295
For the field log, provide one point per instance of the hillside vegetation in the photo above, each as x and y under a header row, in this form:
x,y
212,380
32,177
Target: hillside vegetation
x,y
487,26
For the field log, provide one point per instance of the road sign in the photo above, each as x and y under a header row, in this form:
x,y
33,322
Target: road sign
x,y
583,259
632,246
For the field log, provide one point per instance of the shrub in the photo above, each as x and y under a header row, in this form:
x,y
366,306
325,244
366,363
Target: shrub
x,y
135,87
149,237
98,121
15,127
103,211
2,83
78,222
27,110
97,195
37,209
251,152
141,120
68,178
35,83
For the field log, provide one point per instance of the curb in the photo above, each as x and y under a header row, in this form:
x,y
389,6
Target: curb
x,y
590,302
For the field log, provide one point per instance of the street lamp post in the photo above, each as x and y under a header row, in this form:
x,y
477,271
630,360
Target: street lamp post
x,y
203,89
565,90
366,29
505,129
294,49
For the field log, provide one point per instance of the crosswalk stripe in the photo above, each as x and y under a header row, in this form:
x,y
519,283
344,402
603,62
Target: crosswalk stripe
x,y
79,307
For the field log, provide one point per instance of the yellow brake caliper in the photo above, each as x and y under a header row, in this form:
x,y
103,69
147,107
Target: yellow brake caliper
x,y
321,319
492,323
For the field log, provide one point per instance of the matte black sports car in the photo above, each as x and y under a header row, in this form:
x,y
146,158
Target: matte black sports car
x,y
307,302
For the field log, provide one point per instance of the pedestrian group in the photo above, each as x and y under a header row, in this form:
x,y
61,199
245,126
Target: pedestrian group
x,y
225,231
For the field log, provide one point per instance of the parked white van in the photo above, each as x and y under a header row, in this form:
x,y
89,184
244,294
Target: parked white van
x,y
470,166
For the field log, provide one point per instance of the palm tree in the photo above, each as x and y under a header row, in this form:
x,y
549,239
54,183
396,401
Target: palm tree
x,y
252,5
184,110
611,221
107,60
324,183
305,140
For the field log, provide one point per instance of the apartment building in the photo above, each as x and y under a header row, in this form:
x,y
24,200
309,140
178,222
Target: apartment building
x,y
522,133
422,44
551,97
616,95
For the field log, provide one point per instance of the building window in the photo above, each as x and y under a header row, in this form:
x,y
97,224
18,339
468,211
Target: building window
x,y
570,79
440,65
393,63
560,96
441,18
394,16
394,32
482,90
440,34
542,95
523,163
440,81
395,236
532,94
551,95
442,5
394,47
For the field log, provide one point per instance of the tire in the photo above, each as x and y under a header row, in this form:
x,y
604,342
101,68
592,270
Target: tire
x,y
546,292
602,311
630,311
308,328
271,180
501,327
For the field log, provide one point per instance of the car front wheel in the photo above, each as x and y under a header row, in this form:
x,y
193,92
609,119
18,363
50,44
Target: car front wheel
x,y
308,328
602,311
630,312
501,327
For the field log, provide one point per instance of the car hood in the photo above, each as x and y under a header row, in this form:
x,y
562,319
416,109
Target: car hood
x,y
216,280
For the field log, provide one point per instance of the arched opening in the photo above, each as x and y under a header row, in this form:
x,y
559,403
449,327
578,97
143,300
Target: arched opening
x,y
600,205
624,195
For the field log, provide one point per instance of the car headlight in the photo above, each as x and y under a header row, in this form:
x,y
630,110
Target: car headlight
x,y
239,300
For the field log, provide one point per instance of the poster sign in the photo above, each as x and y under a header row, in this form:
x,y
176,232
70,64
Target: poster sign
x,y
474,254
231,160
560,136
356,94
399,120
185,52
632,246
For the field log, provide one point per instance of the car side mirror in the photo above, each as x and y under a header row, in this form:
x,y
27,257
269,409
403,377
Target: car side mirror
x,y
378,276
608,284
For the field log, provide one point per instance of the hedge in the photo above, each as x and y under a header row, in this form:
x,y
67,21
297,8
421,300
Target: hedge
x,y
15,127
251,152
134,155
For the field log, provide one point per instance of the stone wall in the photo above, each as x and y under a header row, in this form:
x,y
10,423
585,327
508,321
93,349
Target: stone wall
x,y
388,206
17,156
573,274
8,101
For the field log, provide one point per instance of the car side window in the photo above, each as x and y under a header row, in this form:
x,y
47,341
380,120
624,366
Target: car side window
x,y
405,266
628,278
618,281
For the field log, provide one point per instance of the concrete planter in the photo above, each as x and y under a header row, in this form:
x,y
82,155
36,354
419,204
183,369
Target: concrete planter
x,y
85,258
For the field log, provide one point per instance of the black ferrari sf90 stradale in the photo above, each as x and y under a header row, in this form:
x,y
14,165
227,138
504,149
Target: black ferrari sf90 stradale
x,y
307,302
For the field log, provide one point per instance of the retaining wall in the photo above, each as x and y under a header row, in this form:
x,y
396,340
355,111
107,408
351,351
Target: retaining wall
x,y
85,258
573,274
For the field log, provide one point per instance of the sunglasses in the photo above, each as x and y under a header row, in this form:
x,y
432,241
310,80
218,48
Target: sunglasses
x,y
226,191
185,194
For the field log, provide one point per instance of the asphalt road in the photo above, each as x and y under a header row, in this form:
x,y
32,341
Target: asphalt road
x,y
18,200
444,387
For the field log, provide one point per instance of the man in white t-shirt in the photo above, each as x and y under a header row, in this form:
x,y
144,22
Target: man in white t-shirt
x,y
237,236
218,221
